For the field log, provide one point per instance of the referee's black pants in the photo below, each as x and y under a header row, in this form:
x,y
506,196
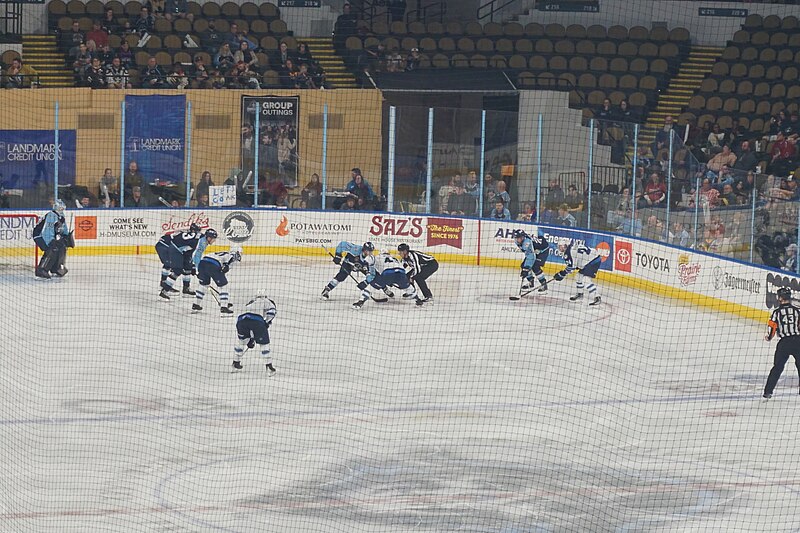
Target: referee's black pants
x,y
786,346
424,273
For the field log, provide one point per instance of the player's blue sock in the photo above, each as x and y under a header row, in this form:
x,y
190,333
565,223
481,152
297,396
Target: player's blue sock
x,y
332,284
579,285
592,288
542,279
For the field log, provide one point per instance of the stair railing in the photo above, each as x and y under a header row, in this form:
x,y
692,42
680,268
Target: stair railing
x,y
492,7
430,12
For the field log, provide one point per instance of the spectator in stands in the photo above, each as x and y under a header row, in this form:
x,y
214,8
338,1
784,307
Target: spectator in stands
x,y
616,216
109,22
97,34
728,197
489,190
746,160
312,193
662,136
21,76
528,213
554,196
268,154
109,188
105,55
782,155
500,212
502,193
716,139
655,192
288,73
346,25
303,79
350,204
394,61
276,192
725,177
736,136
153,77
203,185
708,195
203,200
133,178
80,62
136,199
145,23
156,7
723,158
199,77
792,128
574,201
244,53
235,38
625,117
679,236
359,187
653,229
744,188
413,60
175,9
211,39
95,76
216,79
376,57
472,186
71,40
565,218
286,161
445,191
281,56
177,78
303,55
604,115
117,75
645,156
223,59
461,203
240,77
125,55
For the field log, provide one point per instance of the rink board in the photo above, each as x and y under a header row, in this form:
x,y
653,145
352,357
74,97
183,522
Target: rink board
x,y
698,278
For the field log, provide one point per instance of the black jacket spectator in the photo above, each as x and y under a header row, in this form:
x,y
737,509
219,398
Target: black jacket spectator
x,y
125,55
746,160
152,76
346,25
145,22
95,76
203,185
211,39
109,23
71,40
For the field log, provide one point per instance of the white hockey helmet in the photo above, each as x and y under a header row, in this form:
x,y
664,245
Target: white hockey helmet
x,y
236,251
59,206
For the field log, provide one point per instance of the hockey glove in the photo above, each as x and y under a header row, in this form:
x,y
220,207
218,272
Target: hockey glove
x,y
362,285
225,269
361,267
337,259
251,343
560,275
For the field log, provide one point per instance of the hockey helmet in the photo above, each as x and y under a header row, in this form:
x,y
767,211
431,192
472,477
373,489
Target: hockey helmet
x,y
403,247
236,251
784,293
211,233
368,247
194,228
59,206
518,234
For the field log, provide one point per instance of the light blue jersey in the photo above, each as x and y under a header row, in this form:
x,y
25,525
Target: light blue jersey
x,y
345,248
202,244
51,219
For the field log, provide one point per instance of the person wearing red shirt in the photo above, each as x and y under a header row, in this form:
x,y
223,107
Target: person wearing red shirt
x,y
98,35
655,192
783,153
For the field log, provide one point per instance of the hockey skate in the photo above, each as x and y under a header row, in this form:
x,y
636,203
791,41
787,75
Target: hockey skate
x,y
421,301
61,271
409,295
596,301
237,365
359,304
767,395
270,370
167,289
576,297
325,293
196,307
226,311
163,294
526,285
187,292
42,273
388,293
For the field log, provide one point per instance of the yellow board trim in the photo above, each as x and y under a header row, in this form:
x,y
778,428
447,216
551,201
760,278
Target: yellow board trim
x,y
657,289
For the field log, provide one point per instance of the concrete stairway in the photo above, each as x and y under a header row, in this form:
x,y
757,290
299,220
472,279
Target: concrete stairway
x,y
41,52
336,74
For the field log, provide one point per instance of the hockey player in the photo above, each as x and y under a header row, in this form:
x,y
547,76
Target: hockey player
x,y
214,267
385,272
351,257
53,237
208,238
419,267
536,250
176,251
252,327
586,261
785,322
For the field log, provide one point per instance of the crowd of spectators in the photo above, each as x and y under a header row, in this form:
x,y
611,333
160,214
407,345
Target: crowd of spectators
x,y
221,59
18,75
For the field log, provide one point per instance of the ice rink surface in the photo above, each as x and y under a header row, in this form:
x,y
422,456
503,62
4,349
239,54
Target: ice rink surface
x,y
119,412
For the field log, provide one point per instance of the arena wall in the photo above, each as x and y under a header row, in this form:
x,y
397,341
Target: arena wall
x,y
354,132
696,278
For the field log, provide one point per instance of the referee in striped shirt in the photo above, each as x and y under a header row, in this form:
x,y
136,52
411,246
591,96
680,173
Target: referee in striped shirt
x,y
421,267
785,321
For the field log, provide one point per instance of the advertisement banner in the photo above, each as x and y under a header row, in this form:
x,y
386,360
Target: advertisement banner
x,y
155,129
27,158
276,141
222,195
604,244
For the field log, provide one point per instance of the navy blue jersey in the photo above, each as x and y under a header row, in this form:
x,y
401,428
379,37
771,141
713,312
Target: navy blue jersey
x,y
185,241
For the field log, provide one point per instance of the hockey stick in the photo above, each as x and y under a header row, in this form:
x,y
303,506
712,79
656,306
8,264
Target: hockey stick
x,y
523,293
166,203
349,273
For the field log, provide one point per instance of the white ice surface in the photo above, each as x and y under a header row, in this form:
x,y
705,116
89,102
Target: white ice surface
x,y
118,412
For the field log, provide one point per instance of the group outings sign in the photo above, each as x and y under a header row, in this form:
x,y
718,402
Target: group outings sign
x,y
703,279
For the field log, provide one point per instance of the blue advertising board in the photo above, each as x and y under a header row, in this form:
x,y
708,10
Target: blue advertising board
x,y
27,157
604,244
155,129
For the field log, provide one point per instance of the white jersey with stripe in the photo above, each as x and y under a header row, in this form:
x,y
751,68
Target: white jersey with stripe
x,y
263,307
225,259
577,257
385,263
